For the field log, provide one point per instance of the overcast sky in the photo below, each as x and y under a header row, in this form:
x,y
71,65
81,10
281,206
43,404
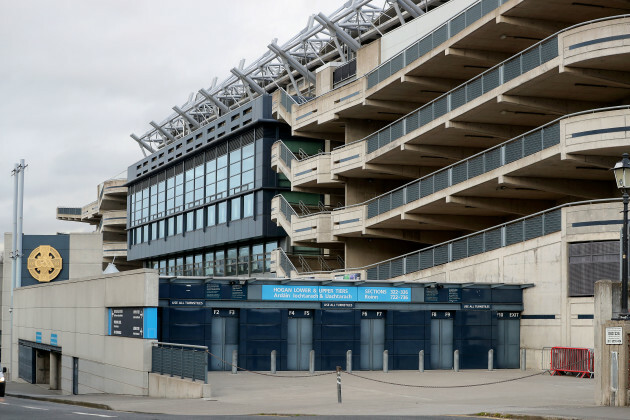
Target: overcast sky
x,y
78,76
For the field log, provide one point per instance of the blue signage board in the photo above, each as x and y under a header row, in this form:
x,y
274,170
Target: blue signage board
x,y
38,337
336,293
53,339
133,322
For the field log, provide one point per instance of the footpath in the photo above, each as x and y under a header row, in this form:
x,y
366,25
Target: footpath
x,y
509,392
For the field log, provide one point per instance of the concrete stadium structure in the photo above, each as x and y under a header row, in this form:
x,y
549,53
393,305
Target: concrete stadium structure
x,y
410,178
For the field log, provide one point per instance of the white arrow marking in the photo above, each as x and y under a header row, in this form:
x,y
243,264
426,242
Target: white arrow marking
x,y
34,408
90,414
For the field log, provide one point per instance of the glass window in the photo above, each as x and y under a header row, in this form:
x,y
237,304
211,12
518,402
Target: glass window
x,y
248,205
154,231
248,150
219,263
211,215
145,233
190,221
161,233
258,258
243,260
198,218
230,262
179,223
269,246
209,263
222,212
170,228
235,205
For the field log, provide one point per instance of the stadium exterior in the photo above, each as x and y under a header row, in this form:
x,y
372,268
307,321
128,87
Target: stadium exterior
x,y
435,180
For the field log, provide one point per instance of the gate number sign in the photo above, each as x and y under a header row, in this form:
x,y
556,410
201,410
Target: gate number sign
x,y
614,335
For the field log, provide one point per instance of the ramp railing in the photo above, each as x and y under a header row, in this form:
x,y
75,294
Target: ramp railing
x,y
181,360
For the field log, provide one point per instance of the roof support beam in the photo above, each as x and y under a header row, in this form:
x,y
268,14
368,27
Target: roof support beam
x,y
142,143
223,107
292,62
517,206
569,187
187,117
340,33
410,7
245,78
162,131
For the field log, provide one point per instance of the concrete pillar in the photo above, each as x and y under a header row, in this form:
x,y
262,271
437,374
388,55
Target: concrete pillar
x,y
456,360
311,362
421,361
385,361
55,370
273,361
234,361
490,359
349,361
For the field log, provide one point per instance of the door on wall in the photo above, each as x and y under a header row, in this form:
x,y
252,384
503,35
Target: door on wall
x,y
441,339
299,338
372,339
224,338
508,340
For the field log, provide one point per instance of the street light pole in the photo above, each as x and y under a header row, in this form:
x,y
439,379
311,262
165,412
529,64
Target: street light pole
x,y
622,176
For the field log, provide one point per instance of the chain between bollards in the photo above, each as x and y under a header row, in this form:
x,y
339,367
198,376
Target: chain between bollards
x,y
339,384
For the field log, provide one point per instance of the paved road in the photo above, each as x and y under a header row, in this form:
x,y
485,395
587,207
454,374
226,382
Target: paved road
x,y
12,408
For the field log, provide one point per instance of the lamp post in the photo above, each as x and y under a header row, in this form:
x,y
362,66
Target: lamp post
x,y
622,176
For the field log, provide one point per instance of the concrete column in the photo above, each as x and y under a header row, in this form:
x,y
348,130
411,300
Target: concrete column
x,y
421,361
349,361
385,361
55,377
273,361
456,360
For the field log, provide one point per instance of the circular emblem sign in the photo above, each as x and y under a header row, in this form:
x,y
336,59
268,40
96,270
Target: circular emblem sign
x,y
44,263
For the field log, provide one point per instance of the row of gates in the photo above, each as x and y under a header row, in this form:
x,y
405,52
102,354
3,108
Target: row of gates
x,y
225,338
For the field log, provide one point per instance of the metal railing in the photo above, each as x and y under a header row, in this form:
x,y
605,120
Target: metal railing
x,y
71,211
495,157
285,263
432,40
344,72
180,360
287,100
286,155
286,209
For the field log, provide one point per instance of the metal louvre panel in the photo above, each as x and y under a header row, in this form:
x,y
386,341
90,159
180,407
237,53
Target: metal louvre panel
x,y
473,89
426,186
259,132
384,204
426,259
211,154
492,159
372,143
397,63
473,14
412,54
440,254
440,35
425,45
489,5
384,71
188,164
530,59
551,135
549,50
580,249
372,273
234,144
440,181
460,249
396,268
512,69
458,98
187,364
222,149
176,364
398,198
426,114
589,262
460,173
372,209
156,359
491,80
397,130
513,151
372,79
248,137
411,122
475,245
606,248
457,24
383,271
412,263
475,166
492,239
533,227
200,363
440,107
514,233
413,192
384,137
532,143
553,221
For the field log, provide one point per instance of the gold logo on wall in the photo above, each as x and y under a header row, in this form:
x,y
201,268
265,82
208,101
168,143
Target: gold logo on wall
x,y
44,263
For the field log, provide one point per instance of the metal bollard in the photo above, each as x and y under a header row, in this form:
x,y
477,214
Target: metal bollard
x,y
234,361
385,361
490,359
349,361
311,362
339,384
523,359
421,361
614,377
456,360
273,362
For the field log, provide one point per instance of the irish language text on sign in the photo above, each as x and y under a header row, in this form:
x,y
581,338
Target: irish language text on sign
x,y
336,293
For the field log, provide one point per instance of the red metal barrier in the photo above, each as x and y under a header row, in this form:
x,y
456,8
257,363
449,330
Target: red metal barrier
x,y
572,360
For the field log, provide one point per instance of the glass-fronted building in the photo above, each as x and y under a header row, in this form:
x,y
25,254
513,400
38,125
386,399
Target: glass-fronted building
x,y
201,205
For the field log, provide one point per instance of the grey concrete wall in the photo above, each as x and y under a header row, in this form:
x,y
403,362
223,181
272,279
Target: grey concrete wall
x,y
76,310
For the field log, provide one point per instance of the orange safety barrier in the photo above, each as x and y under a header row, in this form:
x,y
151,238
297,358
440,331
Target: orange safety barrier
x,y
572,360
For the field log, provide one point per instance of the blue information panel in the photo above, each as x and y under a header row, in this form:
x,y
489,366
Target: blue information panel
x,y
336,293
